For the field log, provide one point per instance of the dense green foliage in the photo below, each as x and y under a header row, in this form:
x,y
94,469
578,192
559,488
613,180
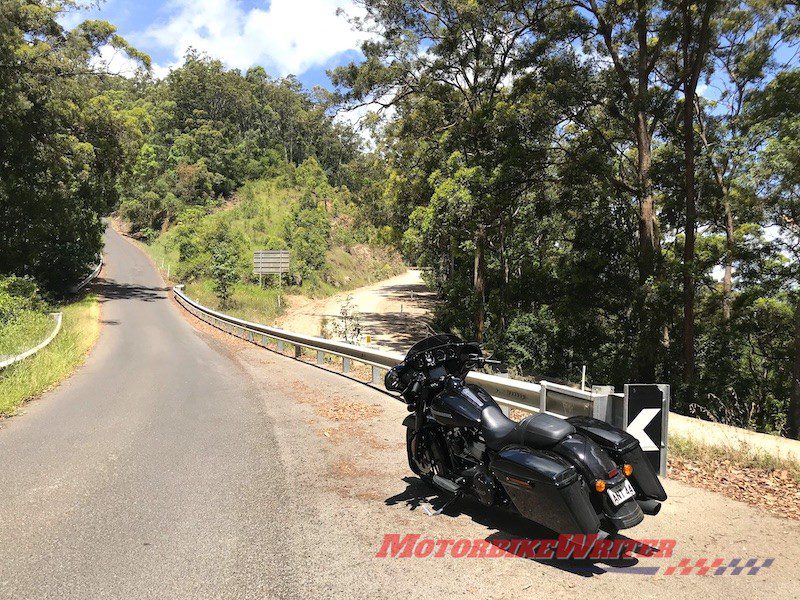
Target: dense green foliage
x,y
64,142
209,130
580,203
23,321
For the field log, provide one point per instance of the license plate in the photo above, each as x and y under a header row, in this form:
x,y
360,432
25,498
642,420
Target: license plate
x,y
621,493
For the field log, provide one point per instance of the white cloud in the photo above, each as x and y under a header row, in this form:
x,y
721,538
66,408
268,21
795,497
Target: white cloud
x,y
116,62
287,36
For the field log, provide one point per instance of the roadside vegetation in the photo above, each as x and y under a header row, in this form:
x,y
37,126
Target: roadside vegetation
x,y
211,251
24,323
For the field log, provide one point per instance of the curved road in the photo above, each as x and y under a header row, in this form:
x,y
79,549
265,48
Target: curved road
x,y
180,462
143,475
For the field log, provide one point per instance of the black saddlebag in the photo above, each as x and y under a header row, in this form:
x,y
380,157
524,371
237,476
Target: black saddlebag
x,y
623,449
547,489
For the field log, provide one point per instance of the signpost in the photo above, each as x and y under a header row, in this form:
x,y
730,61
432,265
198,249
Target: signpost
x,y
646,414
270,262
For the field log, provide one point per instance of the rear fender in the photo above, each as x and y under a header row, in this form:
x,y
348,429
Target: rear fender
x,y
593,462
589,458
623,448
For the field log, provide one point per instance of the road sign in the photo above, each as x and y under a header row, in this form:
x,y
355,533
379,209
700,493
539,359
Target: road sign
x,y
646,414
270,262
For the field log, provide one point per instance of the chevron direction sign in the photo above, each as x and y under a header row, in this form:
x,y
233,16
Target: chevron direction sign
x,y
646,415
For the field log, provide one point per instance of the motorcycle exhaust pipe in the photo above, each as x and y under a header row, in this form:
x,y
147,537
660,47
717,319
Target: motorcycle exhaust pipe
x,y
649,507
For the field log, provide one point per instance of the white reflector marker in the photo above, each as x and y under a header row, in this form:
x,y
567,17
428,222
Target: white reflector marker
x,y
636,428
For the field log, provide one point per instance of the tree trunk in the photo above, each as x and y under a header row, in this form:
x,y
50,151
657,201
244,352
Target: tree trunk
x,y
649,329
727,279
504,292
647,221
689,245
794,398
689,85
480,283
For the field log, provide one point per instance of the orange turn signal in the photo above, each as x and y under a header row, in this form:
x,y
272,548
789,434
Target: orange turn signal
x,y
627,469
600,485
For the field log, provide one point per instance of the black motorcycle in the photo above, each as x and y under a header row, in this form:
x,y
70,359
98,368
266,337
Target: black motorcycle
x,y
575,475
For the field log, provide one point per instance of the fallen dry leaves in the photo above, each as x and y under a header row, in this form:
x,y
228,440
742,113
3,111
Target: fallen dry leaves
x,y
341,410
774,490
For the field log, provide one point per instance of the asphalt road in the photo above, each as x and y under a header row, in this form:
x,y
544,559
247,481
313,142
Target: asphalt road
x,y
181,462
145,475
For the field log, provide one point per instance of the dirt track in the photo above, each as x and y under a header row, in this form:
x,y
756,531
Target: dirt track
x,y
394,312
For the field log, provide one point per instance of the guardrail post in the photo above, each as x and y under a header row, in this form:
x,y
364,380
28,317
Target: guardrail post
x,y
601,407
280,345
345,364
376,376
298,351
543,397
320,357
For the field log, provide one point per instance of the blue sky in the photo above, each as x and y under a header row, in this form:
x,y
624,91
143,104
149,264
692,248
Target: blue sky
x,y
302,37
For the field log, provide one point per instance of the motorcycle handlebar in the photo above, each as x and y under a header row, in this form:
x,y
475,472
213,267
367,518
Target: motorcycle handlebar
x,y
480,361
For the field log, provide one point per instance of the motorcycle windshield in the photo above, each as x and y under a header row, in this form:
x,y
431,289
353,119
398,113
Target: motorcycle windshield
x,y
432,342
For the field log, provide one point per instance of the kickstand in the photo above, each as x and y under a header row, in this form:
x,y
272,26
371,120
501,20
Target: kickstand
x,y
436,513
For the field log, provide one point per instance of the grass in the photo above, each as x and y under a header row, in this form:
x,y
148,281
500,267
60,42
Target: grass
x,y
249,302
24,332
35,375
743,457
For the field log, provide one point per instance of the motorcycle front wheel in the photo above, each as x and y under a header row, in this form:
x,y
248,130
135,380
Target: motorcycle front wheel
x,y
419,455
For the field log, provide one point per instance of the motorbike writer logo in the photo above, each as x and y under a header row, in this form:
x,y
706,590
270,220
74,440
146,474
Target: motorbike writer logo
x,y
569,548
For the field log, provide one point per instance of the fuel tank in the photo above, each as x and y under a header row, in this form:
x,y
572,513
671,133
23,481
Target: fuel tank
x,y
460,405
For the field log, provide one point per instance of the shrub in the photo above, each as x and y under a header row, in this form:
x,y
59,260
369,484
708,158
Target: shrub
x,y
17,295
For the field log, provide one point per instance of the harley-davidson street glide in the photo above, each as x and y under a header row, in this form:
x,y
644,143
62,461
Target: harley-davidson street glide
x,y
577,475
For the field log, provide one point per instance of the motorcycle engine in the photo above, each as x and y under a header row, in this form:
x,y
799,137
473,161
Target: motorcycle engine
x,y
484,485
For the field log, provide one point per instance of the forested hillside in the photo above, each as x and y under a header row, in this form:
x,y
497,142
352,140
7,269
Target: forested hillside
x,y
212,252
609,184
612,184
228,163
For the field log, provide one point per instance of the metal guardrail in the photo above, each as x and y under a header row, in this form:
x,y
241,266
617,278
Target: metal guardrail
x,y
89,278
552,398
20,357
547,397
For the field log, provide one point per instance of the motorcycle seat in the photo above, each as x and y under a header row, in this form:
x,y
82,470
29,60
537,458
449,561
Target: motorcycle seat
x,y
537,431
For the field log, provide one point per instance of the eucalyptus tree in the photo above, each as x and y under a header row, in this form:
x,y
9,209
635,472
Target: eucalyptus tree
x,y
632,36
743,61
447,67
64,141
775,114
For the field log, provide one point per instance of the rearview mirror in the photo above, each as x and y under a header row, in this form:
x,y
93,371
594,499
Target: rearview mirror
x,y
392,380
